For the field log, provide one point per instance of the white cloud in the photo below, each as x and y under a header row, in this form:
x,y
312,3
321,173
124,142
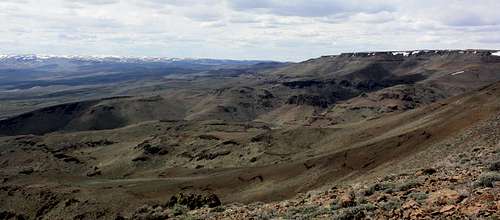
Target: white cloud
x,y
241,29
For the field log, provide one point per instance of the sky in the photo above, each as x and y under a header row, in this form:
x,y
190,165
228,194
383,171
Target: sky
x,y
283,30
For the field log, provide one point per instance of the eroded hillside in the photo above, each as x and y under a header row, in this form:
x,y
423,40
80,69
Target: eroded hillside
x,y
266,136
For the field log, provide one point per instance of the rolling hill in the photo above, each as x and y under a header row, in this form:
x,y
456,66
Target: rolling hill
x,y
263,133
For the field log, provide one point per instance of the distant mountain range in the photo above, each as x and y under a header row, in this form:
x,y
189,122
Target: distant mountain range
x,y
34,58
25,71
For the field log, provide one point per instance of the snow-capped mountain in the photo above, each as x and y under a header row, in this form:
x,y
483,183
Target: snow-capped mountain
x,y
34,58
29,70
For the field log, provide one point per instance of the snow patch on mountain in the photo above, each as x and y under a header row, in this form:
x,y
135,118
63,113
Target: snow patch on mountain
x,y
103,58
456,73
404,53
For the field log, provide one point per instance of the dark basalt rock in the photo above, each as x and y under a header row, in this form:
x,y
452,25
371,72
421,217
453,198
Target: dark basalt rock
x,y
429,171
230,142
4,214
98,143
71,160
227,109
208,137
86,144
140,159
495,166
66,158
211,156
266,95
151,149
306,99
94,172
302,84
262,138
148,149
27,171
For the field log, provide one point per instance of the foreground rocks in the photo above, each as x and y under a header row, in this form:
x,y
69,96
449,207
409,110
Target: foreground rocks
x,y
455,188
461,185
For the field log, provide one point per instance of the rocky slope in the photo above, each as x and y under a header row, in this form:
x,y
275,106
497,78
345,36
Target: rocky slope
x,y
348,121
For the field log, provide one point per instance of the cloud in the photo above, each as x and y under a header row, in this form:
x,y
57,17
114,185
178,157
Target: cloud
x,y
470,19
375,18
204,15
311,8
244,29
181,3
95,2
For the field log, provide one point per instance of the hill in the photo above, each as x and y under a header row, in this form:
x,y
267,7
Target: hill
x,y
346,121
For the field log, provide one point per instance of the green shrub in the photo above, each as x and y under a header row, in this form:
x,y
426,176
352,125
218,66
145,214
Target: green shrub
x,y
349,214
355,212
179,210
385,187
408,185
360,199
335,205
495,166
497,151
368,207
420,197
391,205
487,179
307,212
264,216
218,209
464,160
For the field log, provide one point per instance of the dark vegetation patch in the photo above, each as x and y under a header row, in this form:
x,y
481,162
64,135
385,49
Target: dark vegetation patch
x,y
208,137
149,148
194,201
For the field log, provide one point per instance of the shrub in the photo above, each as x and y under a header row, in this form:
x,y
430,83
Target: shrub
x,y
179,210
368,207
360,199
263,216
487,179
316,212
194,201
420,197
149,212
464,160
335,205
355,212
386,187
408,185
495,166
307,212
391,205
349,214
218,209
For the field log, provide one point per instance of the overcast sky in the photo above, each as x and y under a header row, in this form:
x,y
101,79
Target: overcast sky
x,y
244,29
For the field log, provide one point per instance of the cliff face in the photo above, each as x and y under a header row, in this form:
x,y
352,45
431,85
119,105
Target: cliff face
x,y
420,53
